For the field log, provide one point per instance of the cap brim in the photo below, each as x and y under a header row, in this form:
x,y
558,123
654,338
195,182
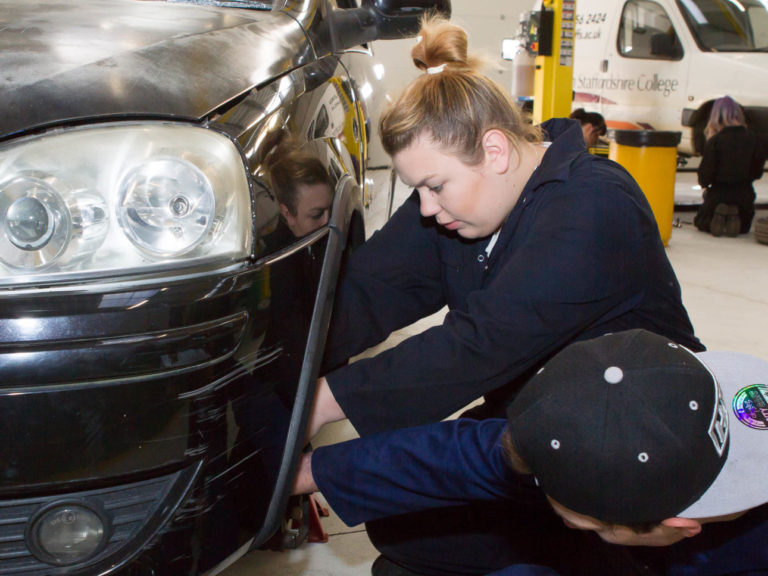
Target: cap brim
x,y
740,485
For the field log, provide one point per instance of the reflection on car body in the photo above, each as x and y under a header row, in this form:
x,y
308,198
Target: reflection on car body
x,y
161,325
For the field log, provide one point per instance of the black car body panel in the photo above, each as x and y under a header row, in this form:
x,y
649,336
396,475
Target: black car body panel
x,y
161,396
65,61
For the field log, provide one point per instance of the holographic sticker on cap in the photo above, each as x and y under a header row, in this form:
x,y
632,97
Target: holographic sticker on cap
x,y
750,404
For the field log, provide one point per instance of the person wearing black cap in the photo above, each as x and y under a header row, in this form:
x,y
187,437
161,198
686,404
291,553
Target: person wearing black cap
x,y
629,438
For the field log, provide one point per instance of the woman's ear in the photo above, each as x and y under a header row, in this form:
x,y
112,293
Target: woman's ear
x,y
685,526
496,149
289,218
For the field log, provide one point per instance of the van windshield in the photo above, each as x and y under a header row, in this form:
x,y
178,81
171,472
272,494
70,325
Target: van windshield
x,y
728,25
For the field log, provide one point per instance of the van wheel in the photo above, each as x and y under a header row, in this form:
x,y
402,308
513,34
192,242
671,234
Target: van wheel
x,y
699,121
761,230
699,140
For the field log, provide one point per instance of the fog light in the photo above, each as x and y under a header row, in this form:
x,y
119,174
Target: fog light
x,y
68,533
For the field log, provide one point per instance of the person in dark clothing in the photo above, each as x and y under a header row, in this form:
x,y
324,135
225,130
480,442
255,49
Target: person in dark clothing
x,y
531,245
627,439
592,125
731,161
304,192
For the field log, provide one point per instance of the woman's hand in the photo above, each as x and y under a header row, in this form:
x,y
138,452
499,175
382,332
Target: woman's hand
x,y
324,410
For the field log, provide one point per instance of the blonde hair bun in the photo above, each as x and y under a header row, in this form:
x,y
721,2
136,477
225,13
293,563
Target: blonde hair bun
x,y
442,43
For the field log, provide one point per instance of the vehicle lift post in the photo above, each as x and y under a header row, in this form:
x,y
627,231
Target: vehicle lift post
x,y
553,76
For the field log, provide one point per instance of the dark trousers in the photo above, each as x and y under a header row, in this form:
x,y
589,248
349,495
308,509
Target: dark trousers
x,y
487,536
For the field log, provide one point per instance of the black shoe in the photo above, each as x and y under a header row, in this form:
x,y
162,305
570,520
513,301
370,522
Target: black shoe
x,y
717,225
383,567
732,222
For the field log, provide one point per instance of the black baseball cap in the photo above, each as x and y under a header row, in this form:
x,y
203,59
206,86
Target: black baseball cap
x,y
631,427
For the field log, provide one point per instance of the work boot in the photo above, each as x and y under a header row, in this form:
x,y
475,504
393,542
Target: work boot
x,y
383,567
717,225
732,222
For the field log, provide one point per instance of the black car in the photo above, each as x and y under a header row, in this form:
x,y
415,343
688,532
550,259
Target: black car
x,y
161,322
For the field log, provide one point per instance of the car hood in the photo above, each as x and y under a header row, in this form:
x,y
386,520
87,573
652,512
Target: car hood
x,y
63,60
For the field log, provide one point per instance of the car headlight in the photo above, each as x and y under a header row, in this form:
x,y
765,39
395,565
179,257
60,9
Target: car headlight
x,y
166,207
121,198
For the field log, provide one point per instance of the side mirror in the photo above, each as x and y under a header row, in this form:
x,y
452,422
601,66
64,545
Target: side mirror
x,y
380,20
401,18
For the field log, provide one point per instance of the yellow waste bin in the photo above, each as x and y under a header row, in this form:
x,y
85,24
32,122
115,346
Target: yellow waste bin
x,y
651,157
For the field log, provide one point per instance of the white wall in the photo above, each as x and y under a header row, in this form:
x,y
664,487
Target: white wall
x,y
487,22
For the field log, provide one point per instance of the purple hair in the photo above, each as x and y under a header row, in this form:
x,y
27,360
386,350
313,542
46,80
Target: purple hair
x,y
725,112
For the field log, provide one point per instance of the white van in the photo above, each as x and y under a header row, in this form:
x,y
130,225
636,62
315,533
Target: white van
x,y
661,63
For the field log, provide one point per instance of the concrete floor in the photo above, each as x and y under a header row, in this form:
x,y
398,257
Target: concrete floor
x,y
725,289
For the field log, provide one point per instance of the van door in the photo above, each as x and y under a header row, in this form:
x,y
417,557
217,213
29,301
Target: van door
x,y
644,69
595,24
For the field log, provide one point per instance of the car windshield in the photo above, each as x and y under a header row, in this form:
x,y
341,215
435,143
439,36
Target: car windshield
x,y
728,25
251,4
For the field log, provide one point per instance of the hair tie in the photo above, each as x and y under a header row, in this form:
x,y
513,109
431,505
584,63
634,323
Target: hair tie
x,y
436,69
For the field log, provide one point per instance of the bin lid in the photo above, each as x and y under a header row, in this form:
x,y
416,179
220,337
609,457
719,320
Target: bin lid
x,y
640,138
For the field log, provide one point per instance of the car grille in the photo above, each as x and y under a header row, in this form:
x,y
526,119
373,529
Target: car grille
x,y
136,511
